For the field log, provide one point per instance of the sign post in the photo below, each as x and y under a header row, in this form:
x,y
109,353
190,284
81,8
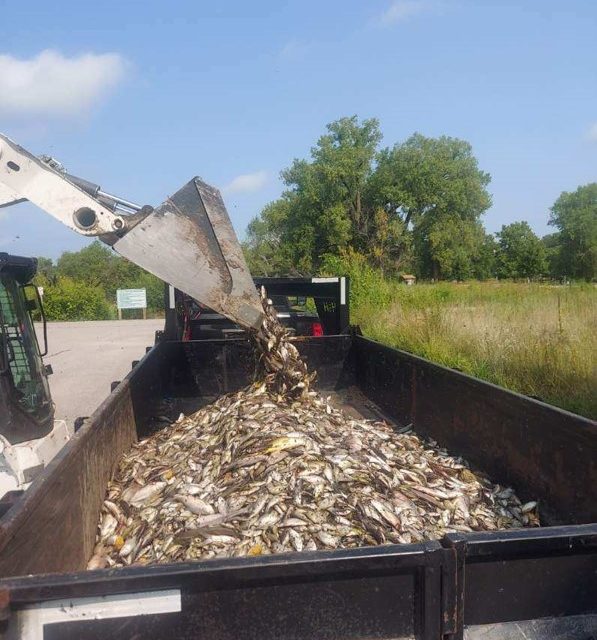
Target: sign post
x,y
131,299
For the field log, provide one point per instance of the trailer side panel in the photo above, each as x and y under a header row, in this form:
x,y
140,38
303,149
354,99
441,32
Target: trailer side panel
x,y
543,452
53,526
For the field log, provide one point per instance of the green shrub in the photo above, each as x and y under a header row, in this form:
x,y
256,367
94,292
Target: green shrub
x,y
367,284
67,299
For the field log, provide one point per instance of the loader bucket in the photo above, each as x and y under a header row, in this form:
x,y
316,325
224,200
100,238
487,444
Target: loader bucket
x,y
189,242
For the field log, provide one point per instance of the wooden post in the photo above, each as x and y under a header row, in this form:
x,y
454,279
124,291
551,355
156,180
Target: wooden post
x,y
144,313
120,314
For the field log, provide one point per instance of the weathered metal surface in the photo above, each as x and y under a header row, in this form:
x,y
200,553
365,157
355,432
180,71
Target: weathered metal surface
x,y
52,527
524,574
418,590
205,369
188,241
545,453
386,592
23,176
331,297
570,628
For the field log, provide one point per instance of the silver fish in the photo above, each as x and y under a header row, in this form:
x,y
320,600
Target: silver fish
x,y
277,468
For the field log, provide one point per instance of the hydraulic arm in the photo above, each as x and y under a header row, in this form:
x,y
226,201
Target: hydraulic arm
x,y
187,241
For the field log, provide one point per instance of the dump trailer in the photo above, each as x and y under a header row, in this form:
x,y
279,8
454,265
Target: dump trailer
x,y
540,582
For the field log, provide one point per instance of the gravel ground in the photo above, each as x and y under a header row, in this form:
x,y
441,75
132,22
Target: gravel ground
x,y
87,356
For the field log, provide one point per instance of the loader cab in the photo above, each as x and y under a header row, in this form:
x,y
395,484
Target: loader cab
x,y
26,409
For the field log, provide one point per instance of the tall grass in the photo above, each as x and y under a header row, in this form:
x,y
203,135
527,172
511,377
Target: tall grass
x,y
540,340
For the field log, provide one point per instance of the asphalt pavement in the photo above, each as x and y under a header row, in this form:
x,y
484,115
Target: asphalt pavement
x,y
87,356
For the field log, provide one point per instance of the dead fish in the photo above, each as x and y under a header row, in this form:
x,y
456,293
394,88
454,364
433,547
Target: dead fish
x,y
267,520
195,505
108,525
115,510
211,520
99,559
276,468
285,442
327,539
204,532
297,541
528,506
128,547
138,497
293,522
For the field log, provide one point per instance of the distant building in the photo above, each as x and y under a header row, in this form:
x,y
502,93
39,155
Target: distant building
x,y
408,278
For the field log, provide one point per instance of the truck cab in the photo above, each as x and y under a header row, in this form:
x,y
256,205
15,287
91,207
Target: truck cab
x,y
306,306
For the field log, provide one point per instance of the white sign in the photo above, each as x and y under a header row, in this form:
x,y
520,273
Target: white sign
x,y
131,299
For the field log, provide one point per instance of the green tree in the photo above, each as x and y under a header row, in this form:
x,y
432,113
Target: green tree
x,y
265,252
342,165
96,265
423,196
323,209
575,216
390,244
521,253
435,188
485,258
452,248
46,268
552,244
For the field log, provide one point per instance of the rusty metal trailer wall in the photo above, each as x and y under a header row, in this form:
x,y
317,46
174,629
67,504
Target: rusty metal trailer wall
x,y
52,527
427,591
544,452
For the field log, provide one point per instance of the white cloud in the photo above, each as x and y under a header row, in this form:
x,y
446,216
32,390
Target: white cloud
x,y
401,10
247,182
592,132
50,84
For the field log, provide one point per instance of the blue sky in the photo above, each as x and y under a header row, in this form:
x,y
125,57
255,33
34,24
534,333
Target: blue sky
x,y
141,96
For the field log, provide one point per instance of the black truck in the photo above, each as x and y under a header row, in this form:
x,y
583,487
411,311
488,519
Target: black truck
x,y
529,583
306,306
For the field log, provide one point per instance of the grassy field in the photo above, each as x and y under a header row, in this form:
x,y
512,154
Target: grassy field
x,y
540,340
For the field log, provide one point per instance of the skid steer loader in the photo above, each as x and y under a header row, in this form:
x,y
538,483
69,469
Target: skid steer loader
x,y
187,241
29,435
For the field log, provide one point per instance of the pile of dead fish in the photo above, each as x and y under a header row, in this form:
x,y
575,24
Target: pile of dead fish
x,y
276,468
279,363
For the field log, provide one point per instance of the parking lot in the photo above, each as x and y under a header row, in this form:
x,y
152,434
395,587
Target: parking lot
x,y
87,356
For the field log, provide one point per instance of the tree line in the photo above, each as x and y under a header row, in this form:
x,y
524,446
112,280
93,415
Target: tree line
x,y
414,207
82,285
